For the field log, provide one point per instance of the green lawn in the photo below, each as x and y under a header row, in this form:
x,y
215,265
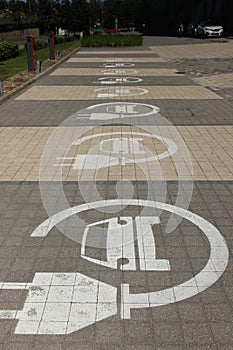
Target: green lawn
x,y
18,64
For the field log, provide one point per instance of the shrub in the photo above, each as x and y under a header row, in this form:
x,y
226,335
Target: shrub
x,y
59,39
62,39
8,49
112,40
40,44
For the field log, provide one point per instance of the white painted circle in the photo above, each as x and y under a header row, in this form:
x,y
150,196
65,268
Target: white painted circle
x,y
118,65
110,107
119,72
120,92
119,80
212,271
170,145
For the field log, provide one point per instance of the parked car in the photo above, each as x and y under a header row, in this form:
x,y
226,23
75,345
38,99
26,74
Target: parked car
x,y
192,29
112,31
209,29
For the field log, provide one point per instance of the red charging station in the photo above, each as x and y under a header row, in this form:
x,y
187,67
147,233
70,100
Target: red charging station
x,y
30,53
51,46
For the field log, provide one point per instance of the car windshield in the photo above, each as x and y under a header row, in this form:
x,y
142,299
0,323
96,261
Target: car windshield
x,y
210,23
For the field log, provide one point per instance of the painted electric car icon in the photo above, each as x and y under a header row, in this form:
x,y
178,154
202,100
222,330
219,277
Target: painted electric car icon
x,y
62,303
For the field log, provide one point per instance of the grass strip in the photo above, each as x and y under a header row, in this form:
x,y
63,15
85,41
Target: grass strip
x,y
12,66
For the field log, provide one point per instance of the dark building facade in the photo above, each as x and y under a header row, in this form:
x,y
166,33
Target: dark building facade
x,y
173,12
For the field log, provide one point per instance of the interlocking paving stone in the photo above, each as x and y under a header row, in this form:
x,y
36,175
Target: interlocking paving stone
x,y
142,65
203,321
115,60
178,112
131,93
163,72
215,162
195,51
121,80
188,322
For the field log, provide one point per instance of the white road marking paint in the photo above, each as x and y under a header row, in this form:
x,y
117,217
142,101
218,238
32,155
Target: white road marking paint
x,y
119,92
121,244
211,272
118,59
62,304
120,80
114,110
119,72
146,245
117,65
123,147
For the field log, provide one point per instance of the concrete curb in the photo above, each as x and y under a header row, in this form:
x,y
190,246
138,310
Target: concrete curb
x,y
40,75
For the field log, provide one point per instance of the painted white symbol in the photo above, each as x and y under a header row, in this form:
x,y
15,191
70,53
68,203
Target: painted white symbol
x,y
61,303
122,147
120,110
118,72
120,92
117,65
212,271
121,244
114,80
118,59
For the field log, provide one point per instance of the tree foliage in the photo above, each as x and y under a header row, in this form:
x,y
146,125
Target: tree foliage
x,y
155,16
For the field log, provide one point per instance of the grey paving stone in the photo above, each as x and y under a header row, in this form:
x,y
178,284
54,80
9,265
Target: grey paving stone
x,y
93,80
198,333
192,312
167,313
48,346
201,322
222,332
168,333
140,347
170,347
53,113
19,346
73,346
219,312
5,329
99,64
138,333
112,333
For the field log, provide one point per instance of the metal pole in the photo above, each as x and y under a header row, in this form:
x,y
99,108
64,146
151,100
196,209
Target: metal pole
x,y
1,88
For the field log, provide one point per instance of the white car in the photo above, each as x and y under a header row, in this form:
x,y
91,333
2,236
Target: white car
x,y
209,29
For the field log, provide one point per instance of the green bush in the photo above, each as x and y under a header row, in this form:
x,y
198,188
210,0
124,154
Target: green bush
x,y
40,44
59,39
62,39
98,31
112,40
8,49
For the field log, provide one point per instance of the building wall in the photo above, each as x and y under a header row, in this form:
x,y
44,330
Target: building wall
x,y
19,34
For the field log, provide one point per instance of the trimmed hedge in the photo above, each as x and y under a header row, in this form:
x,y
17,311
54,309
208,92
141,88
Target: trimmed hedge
x,y
8,49
112,40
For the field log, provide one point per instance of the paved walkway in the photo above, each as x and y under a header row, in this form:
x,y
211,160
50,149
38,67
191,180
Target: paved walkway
x,y
116,185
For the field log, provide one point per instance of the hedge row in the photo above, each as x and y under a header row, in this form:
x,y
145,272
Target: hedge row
x,y
8,49
112,40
